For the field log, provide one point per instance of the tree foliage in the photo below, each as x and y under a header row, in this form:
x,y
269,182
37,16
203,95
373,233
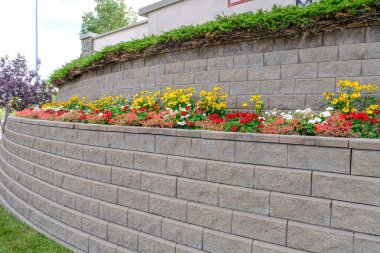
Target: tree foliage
x,y
109,15
18,87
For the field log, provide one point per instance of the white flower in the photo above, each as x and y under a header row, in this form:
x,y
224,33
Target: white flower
x,y
312,121
181,123
329,109
324,123
317,120
100,114
287,116
325,114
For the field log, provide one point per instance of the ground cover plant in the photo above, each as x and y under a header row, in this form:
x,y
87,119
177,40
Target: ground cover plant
x,y
16,237
352,112
320,16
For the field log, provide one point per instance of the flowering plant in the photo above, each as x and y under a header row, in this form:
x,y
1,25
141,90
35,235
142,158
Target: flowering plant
x,y
179,108
353,97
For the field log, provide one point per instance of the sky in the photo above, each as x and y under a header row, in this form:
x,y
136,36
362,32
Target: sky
x,y
59,27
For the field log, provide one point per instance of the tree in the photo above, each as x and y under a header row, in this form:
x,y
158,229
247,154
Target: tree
x,y
109,15
18,88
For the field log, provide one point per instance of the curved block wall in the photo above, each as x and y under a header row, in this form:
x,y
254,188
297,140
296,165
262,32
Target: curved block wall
x,y
125,189
290,72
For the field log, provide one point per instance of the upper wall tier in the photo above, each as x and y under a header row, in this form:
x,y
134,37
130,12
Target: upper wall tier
x,y
291,72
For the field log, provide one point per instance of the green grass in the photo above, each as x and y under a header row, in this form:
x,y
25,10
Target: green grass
x,y
16,237
262,23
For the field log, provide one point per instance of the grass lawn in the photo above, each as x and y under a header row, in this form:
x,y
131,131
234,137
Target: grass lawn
x,y
16,237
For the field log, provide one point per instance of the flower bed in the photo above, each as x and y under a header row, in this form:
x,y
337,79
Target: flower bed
x,y
352,112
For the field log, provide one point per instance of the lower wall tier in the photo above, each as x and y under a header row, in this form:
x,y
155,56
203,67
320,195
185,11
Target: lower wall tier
x,y
125,189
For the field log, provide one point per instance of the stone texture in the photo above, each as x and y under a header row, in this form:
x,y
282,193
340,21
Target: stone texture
x,y
347,188
168,207
366,243
119,158
249,200
261,153
123,236
144,222
165,185
262,247
150,162
230,173
126,177
186,167
217,242
197,191
209,217
355,217
283,180
213,149
133,199
299,208
366,163
113,213
182,233
309,158
259,227
344,68
150,244
319,239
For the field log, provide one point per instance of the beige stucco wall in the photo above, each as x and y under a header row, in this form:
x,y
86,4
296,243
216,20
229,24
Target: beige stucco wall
x,y
190,12
136,31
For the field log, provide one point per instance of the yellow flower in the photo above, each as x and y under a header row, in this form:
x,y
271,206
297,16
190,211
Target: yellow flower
x,y
255,98
244,105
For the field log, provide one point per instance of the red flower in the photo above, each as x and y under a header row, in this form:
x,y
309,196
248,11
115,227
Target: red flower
x,y
260,126
143,109
374,120
183,113
187,108
125,108
234,129
111,121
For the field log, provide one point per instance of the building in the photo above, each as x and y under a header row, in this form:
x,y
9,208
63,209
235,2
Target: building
x,y
165,15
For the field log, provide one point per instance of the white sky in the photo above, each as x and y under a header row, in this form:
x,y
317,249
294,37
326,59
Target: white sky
x,y
59,27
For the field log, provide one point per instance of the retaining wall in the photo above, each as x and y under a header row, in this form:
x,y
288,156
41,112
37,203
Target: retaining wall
x,y
126,189
291,72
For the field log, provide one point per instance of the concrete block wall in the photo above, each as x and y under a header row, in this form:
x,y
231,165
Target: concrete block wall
x,y
291,72
115,189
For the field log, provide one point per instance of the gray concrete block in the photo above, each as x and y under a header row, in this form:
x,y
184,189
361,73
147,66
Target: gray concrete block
x,y
261,153
319,239
160,184
242,199
209,217
151,244
319,54
298,71
283,180
309,158
259,227
186,167
355,217
365,163
182,233
123,236
230,173
217,242
344,68
281,57
299,208
366,243
357,189
198,191
168,207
